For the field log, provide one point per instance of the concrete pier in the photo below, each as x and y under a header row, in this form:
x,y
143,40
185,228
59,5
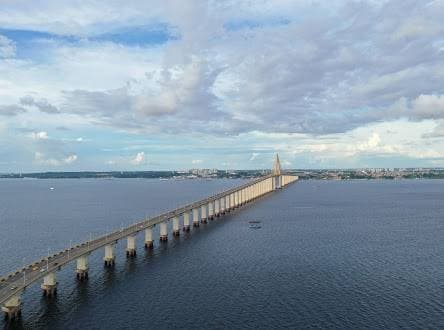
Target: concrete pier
x,y
149,243
12,307
195,217
109,258
176,229
163,232
217,207
222,205
186,221
131,246
211,210
203,213
49,285
82,268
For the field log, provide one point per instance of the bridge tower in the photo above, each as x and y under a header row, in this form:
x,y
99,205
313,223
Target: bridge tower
x,y
276,172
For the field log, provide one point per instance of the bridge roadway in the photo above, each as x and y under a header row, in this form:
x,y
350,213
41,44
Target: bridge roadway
x,y
17,281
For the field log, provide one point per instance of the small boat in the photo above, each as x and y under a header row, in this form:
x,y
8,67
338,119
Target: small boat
x,y
52,188
254,224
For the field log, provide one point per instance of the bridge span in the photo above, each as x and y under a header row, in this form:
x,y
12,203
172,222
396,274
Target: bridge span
x,y
13,284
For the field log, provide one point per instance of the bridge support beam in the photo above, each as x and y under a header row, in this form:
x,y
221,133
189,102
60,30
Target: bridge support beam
x,y
82,267
222,205
163,232
109,258
195,217
203,213
49,285
149,243
186,221
211,210
12,307
176,229
217,207
131,246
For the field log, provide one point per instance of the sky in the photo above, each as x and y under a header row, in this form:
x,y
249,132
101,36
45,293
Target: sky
x,y
173,84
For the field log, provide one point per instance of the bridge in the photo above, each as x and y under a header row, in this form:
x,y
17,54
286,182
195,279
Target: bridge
x,y
13,284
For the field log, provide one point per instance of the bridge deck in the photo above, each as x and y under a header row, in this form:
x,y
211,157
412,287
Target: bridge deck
x,y
35,271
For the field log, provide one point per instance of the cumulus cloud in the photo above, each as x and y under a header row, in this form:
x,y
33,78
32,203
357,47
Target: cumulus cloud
x,y
138,159
11,110
230,69
41,159
7,47
42,104
39,135
253,156
428,106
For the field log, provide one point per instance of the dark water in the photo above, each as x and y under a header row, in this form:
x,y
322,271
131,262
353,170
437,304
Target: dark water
x,y
357,254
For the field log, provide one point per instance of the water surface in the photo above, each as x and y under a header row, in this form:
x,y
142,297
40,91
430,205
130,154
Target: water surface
x,y
330,254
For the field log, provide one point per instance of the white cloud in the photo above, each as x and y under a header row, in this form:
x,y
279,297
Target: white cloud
x,y
138,159
39,135
41,159
265,70
253,156
196,161
7,47
70,159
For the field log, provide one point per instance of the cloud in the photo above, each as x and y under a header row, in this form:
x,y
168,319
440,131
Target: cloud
x,y
224,71
39,135
196,161
43,105
70,159
7,47
253,156
11,110
41,159
139,159
428,107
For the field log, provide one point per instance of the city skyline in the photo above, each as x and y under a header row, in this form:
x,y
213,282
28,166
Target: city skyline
x,y
204,84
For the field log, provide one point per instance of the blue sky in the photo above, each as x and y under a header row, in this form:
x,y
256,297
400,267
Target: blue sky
x,y
220,84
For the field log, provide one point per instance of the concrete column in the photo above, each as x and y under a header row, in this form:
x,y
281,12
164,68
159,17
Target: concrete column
x,y
211,210
231,201
195,217
186,221
109,257
163,231
12,307
176,230
82,267
149,243
49,285
131,246
217,207
222,205
227,203
236,198
203,213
